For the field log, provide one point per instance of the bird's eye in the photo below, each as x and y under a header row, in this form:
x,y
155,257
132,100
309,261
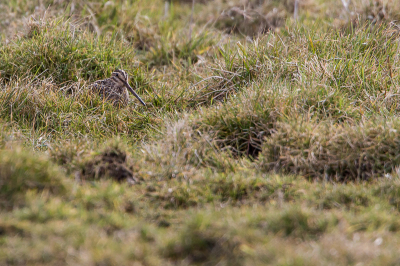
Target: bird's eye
x,y
116,75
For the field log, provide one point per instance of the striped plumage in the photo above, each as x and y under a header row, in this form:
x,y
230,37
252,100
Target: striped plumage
x,y
115,89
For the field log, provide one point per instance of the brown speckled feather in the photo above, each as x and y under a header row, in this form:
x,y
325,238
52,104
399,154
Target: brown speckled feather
x,y
110,91
115,89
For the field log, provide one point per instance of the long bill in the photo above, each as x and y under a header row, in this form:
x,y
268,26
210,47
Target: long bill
x,y
133,92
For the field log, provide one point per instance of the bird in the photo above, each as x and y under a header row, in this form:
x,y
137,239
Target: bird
x,y
115,89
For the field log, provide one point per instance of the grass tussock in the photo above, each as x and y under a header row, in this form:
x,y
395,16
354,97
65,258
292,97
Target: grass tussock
x,y
332,152
22,171
183,149
61,50
357,66
68,110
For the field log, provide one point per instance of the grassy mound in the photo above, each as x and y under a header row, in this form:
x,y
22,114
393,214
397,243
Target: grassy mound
x,y
340,153
54,111
21,171
199,242
61,50
110,163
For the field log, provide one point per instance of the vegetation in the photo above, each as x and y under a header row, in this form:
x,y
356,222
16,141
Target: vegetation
x,y
271,134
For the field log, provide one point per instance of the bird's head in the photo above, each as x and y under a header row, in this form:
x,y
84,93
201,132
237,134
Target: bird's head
x,y
120,77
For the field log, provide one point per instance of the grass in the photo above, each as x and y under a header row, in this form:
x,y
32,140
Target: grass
x,y
22,172
265,140
326,151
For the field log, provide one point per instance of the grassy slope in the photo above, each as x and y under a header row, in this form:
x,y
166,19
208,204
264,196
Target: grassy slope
x,y
283,150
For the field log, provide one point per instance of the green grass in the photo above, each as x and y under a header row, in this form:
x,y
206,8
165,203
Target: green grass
x,y
22,172
265,140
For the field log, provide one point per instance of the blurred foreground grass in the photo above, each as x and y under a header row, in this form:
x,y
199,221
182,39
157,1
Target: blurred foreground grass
x,y
266,140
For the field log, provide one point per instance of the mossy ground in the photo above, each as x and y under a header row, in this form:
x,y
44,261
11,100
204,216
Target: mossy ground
x,y
271,134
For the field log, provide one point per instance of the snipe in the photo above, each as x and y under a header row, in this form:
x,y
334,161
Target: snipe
x,y
115,89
